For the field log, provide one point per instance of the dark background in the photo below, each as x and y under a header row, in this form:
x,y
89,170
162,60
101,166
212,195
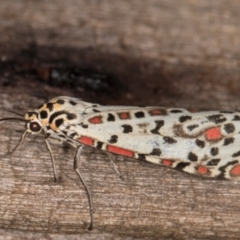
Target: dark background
x,y
155,52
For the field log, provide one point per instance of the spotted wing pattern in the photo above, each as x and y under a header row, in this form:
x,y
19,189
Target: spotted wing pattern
x,y
205,143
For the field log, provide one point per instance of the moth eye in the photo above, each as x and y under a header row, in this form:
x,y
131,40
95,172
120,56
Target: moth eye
x,y
34,127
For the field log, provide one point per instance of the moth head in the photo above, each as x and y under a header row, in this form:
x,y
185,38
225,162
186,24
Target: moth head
x,y
34,125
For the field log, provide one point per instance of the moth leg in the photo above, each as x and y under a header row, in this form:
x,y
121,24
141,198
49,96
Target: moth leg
x,y
52,159
77,157
115,167
21,140
75,166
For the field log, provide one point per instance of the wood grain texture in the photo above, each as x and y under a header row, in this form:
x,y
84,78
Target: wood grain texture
x,y
172,53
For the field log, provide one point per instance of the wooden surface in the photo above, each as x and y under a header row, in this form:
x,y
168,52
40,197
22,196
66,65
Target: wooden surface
x,y
173,53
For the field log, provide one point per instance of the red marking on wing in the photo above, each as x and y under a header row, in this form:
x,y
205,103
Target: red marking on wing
x,y
120,151
155,112
167,162
124,115
86,140
213,133
95,120
193,110
235,170
202,170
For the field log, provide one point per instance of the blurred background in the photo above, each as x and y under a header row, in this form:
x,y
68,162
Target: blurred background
x,y
155,52
179,53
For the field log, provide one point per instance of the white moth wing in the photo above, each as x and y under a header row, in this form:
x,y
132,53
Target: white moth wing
x,y
194,138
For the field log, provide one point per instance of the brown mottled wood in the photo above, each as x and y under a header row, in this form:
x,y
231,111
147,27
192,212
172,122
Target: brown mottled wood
x,y
172,53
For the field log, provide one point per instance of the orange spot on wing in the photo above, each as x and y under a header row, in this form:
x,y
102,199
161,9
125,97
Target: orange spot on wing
x,y
155,112
193,110
53,127
95,120
213,134
235,170
56,106
202,170
124,115
167,162
86,140
44,122
120,151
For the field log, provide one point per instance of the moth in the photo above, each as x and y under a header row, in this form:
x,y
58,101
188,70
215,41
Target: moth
x,y
205,143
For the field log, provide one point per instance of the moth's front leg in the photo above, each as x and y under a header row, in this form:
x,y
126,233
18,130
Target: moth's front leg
x,y
52,159
75,167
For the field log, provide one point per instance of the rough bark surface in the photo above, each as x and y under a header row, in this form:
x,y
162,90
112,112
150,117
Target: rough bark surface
x,y
172,53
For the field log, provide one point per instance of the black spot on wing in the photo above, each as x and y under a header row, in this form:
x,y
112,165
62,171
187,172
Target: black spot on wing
x,y
229,128
72,102
169,140
200,143
113,139
83,125
228,141
54,115
192,157
69,116
72,135
111,117
49,106
217,118
141,157
99,145
159,124
60,101
59,122
156,152
43,114
180,166
192,127
62,136
236,118
139,114
213,162
127,128
184,118
95,110
214,151
175,111
236,154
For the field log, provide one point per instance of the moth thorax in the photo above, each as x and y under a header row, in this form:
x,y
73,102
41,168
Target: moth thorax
x,y
31,115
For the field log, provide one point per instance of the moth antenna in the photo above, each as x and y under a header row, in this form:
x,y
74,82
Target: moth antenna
x,y
12,119
19,114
